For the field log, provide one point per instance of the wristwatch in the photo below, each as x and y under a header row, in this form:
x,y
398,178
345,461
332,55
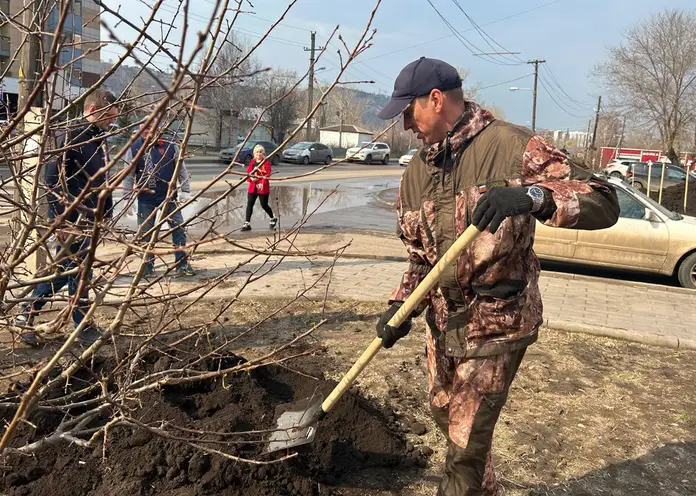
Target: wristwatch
x,y
538,197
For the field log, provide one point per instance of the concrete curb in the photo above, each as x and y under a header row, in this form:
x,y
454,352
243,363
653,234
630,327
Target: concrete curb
x,y
621,282
622,334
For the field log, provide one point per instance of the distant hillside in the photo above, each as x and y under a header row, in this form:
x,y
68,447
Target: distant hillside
x,y
376,102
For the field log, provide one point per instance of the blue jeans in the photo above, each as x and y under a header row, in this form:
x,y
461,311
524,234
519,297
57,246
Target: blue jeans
x,y
73,258
147,214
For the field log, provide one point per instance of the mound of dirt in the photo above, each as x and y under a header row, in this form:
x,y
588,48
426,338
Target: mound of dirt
x,y
673,199
356,436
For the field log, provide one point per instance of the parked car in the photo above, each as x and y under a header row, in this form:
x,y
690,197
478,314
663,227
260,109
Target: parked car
x,y
405,159
307,151
637,175
646,238
369,152
247,153
618,167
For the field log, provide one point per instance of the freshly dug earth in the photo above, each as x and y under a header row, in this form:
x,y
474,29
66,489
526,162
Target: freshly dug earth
x,y
586,415
673,199
356,436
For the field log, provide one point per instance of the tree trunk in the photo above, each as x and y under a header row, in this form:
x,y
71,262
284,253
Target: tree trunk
x,y
672,155
218,139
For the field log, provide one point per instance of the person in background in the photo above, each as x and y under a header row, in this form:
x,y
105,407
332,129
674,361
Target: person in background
x,y
259,187
74,174
149,180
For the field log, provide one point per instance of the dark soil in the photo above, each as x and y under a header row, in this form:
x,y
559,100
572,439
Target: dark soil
x,y
356,436
673,199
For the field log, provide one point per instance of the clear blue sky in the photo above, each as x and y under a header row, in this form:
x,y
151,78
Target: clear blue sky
x,y
570,35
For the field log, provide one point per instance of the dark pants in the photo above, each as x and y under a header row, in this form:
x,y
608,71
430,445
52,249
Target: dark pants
x,y
147,214
251,200
45,290
474,411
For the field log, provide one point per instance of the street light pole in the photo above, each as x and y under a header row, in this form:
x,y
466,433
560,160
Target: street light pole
x,y
536,79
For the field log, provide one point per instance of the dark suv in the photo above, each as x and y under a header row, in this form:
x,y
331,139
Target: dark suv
x,y
247,152
637,175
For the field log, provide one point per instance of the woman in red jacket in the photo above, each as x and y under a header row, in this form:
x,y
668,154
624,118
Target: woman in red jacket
x,y
259,187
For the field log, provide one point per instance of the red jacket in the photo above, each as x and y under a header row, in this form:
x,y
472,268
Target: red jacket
x,y
260,185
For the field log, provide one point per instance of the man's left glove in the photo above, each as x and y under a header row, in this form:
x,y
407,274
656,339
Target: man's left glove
x,y
388,333
497,204
184,196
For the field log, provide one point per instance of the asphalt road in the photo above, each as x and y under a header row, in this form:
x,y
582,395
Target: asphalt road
x,y
209,168
355,205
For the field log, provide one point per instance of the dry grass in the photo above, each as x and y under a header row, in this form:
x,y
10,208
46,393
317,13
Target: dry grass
x,y
586,415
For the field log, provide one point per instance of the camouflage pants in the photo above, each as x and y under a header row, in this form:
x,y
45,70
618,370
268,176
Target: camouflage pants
x,y
466,397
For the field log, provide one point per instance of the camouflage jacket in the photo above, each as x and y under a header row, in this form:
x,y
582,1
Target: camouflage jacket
x,y
489,302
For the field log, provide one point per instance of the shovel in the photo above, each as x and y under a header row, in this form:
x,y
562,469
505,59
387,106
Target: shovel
x,y
297,421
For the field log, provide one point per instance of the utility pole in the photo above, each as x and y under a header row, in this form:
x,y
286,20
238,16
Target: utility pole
x,y
596,122
594,133
310,88
536,79
587,138
340,129
621,137
28,169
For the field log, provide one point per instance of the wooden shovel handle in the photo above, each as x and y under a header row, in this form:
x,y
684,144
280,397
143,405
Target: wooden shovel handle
x,y
409,306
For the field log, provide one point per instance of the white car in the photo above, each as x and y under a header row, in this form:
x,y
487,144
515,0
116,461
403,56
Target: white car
x,y
368,153
405,159
618,167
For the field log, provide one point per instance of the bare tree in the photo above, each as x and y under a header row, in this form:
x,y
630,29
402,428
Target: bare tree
x,y
347,106
143,316
651,75
235,74
281,116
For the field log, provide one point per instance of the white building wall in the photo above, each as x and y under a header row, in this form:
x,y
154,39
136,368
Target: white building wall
x,y
331,138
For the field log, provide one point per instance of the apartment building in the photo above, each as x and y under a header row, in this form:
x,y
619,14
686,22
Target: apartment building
x,y
81,31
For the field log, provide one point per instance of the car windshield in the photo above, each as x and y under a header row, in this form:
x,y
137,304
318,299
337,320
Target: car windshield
x,y
364,144
248,144
654,204
301,146
412,152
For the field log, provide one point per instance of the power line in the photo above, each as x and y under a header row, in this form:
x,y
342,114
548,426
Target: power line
x,y
559,105
572,106
462,39
505,82
466,30
582,105
483,34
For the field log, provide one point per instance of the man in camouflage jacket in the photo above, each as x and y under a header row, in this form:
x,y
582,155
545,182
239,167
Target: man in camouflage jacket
x,y
487,308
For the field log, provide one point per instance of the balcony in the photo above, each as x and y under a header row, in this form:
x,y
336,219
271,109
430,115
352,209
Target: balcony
x,y
4,46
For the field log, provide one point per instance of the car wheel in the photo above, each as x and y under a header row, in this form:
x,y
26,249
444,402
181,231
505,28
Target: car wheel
x,y
368,160
275,159
328,160
247,159
687,272
305,160
385,160
637,185
616,174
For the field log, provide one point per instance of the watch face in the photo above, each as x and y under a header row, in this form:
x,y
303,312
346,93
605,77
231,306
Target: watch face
x,y
536,192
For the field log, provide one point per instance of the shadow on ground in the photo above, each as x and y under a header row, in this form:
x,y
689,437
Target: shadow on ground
x,y
669,470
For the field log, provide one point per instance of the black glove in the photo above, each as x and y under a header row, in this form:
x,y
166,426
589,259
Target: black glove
x,y
497,204
388,333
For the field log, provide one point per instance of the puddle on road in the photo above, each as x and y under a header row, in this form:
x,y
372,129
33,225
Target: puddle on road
x,y
291,202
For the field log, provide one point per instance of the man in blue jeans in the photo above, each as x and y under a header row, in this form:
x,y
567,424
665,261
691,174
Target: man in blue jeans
x,y
149,180
73,174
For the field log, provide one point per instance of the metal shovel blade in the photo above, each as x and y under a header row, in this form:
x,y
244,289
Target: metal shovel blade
x,y
296,424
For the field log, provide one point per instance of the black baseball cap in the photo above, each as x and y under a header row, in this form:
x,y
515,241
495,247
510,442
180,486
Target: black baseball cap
x,y
419,78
